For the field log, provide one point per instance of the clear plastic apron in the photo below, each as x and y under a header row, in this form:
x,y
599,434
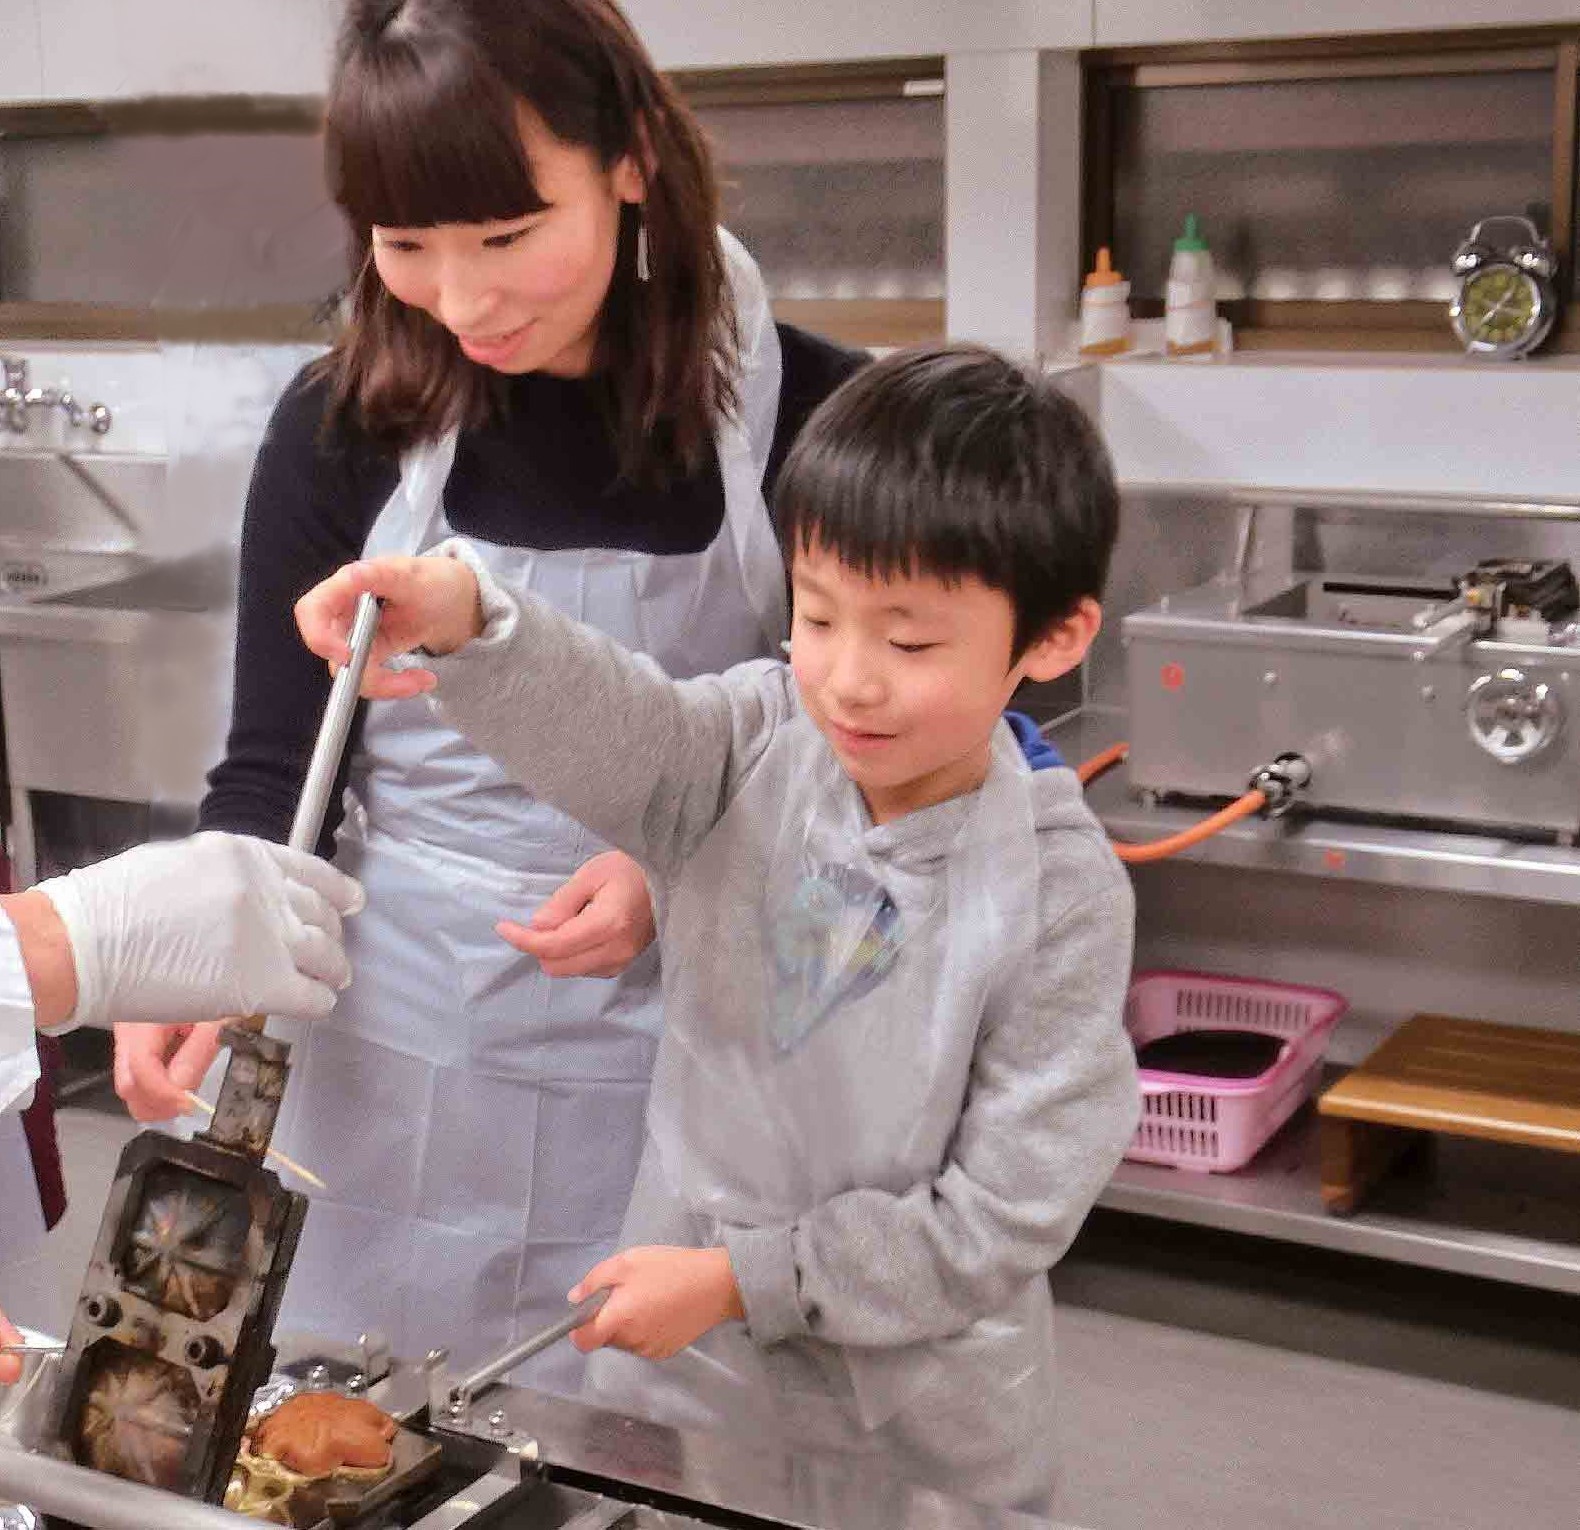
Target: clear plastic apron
x,y
480,1124
27,1294
852,1080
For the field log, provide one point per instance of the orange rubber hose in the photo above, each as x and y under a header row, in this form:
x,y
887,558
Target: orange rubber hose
x,y
1160,849
1088,770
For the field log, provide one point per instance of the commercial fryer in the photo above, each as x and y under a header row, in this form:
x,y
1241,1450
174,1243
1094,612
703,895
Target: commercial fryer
x,y
1444,702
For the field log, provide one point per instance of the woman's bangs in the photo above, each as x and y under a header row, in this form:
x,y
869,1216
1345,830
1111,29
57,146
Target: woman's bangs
x,y
412,144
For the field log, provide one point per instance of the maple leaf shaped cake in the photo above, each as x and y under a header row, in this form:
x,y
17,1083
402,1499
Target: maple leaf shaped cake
x,y
317,1433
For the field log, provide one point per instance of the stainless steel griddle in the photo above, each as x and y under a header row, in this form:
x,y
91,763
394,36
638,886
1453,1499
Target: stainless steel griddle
x,y
512,1459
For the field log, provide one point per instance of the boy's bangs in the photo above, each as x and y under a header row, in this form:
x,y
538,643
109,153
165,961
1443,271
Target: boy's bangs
x,y
883,524
413,142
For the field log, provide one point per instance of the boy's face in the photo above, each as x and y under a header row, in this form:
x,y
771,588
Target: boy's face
x,y
906,677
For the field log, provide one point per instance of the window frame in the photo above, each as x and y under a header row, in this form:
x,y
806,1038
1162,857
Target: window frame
x,y
1108,75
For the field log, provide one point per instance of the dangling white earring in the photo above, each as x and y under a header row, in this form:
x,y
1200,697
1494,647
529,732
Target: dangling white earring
x,y
644,268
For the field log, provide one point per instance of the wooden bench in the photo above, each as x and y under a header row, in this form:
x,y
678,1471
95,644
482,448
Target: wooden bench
x,y
1437,1075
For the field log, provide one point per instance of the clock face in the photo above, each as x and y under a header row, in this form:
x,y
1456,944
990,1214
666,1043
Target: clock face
x,y
1499,306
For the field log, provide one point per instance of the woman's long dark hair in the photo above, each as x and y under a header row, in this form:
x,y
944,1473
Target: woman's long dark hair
x,y
421,128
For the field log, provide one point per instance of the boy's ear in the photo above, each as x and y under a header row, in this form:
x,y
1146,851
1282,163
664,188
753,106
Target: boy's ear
x,y
1064,644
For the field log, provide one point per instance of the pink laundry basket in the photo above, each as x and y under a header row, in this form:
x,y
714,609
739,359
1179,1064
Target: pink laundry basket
x,y
1216,1125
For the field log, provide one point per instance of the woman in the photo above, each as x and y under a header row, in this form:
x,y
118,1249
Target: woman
x,y
551,350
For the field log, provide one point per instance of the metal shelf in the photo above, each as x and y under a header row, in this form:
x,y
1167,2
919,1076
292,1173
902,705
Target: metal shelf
x,y
1474,1208
1391,501
1445,862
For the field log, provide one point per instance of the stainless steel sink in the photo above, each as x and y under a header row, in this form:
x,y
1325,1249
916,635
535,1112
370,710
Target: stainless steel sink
x,y
70,521
120,689
90,502
205,581
115,635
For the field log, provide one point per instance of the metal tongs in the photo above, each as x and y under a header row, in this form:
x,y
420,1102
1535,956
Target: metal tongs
x,y
335,728
249,1098
451,1401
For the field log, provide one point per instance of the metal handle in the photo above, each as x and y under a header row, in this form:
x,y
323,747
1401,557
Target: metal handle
x,y
463,1392
330,745
342,706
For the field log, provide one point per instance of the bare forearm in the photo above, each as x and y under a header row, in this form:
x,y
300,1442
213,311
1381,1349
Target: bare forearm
x,y
46,956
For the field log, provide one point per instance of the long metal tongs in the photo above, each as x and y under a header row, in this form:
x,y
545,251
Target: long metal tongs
x,y
450,1401
334,730
249,1099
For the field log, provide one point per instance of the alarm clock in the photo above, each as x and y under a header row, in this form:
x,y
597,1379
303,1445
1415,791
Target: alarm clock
x,y
1507,299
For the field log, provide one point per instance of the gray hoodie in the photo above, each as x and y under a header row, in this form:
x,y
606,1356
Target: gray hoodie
x,y
893,1190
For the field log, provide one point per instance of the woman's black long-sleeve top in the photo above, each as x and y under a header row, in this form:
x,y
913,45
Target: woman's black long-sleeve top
x,y
542,474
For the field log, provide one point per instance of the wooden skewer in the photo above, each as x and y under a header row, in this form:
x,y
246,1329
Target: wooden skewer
x,y
198,1103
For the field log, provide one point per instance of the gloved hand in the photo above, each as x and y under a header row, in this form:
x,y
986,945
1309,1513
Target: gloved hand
x,y
219,924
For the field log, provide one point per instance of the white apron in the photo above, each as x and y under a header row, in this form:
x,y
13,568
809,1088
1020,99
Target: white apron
x,y
479,1124
25,1293
27,1283
757,1127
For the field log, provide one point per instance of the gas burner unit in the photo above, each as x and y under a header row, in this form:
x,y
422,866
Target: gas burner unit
x,y
1440,702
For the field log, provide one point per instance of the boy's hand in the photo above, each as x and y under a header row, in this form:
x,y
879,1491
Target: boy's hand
x,y
660,1300
429,603
595,925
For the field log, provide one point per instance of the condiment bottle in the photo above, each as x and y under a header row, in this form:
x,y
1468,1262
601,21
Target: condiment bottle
x,y
1105,310
1190,310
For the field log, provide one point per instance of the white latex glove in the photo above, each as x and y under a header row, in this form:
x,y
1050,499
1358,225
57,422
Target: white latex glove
x,y
219,924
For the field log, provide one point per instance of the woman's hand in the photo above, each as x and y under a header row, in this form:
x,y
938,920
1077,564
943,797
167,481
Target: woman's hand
x,y
428,603
10,1365
595,925
660,1300
155,1066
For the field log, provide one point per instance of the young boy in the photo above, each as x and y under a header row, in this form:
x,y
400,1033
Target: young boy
x,y
894,1076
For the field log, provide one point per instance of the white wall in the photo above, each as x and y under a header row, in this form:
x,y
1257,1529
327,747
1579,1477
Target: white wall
x,y
1121,23
1394,424
107,49
1012,158
711,34
21,57
103,49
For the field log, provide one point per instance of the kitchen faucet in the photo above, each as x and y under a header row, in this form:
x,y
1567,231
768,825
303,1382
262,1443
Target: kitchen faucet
x,y
13,400
17,398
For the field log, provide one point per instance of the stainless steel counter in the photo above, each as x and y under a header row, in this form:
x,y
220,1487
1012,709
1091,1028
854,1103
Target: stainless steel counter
x,y
532,1462
704,1478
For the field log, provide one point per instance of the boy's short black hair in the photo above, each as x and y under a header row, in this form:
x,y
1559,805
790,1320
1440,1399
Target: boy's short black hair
x,y
951,461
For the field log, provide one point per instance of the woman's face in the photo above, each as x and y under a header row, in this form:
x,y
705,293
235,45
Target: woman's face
x,y
523,295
